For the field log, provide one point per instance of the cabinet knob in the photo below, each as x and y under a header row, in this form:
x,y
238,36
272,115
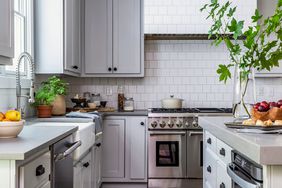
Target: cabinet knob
x,y
40,170
209,141
75,67
209,169
109,69
142,123
222,151
98,145
86,164
115,69
222,185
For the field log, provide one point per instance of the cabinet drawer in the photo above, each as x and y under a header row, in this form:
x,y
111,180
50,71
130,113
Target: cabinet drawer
x,y
223,151
210,141
223,180
210,168
36,172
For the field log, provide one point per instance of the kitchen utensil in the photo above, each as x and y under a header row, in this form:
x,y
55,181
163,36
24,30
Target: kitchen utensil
x,y
11,129
172,102
78,102
103,104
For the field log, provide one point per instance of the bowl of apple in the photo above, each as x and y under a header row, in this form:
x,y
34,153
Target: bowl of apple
x,y
10,124
267,111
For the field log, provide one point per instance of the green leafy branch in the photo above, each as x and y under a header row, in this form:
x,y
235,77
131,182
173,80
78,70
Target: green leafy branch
x,y
262,47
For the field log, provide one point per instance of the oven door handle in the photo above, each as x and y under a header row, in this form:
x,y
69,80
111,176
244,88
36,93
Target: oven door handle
x,y
238,179
194,133
167,133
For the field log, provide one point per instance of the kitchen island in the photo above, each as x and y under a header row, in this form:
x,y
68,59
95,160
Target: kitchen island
x,y
25,161
263,149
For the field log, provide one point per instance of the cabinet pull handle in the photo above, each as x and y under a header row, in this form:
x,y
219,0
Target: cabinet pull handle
x,y
115,69
222,185
40,170
222,151
98,145
209,169
109,69
75,67
86,164
209,141
142,123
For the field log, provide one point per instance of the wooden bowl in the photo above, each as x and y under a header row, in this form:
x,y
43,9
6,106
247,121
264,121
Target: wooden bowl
x,y
11,129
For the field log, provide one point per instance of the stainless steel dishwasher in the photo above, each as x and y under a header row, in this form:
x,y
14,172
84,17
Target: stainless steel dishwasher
x,y
62,169
244,172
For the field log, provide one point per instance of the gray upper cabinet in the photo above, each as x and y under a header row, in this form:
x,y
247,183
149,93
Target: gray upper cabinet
x,y
114,39
6,31
58,37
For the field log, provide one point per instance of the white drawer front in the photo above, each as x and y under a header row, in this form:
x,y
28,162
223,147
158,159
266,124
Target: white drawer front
x,y
210,141
36,173
223,151
210,168
223,180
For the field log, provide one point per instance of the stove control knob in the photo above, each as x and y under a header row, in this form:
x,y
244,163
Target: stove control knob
x,y
179,123
186,124
170,123
162,124
154,124
195,123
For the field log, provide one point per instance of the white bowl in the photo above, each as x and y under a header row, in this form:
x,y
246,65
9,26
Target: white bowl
x,y
11,129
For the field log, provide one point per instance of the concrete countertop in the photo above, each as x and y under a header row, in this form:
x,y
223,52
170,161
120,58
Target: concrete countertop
x,y
264,149
32,140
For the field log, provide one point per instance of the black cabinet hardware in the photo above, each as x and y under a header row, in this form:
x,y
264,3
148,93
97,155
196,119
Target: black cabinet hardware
x,y
142,123
222,185
75,67
40,170
115,69
86,164
209,141
222,151
98,144
209,169
109,69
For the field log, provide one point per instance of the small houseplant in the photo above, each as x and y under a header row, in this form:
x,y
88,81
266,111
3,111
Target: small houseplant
x,y
43,101
59,87
261,48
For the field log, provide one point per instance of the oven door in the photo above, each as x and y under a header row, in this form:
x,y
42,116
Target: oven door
x,y
195,154
167,154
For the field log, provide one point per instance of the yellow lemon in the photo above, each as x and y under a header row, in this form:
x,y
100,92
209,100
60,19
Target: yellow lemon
x,y
13,115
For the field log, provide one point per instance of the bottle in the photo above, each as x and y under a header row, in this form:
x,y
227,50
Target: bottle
x,y
120,98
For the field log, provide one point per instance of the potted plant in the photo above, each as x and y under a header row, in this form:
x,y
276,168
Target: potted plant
x,y
59,87
258,47
43,101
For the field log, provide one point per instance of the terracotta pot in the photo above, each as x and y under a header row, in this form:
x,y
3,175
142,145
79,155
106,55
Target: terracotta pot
x,y
44,111
59,106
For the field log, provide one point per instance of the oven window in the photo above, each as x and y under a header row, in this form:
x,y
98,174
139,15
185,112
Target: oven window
x,y
167,153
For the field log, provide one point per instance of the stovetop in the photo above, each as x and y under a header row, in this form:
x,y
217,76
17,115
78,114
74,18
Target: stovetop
x,y
191,110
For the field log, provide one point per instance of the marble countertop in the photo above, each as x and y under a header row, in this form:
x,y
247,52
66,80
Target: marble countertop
x,y
264,149
31,140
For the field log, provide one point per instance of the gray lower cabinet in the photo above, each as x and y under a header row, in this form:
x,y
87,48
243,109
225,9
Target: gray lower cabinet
x,y
114,39
83,172
58,37
6,32
124,151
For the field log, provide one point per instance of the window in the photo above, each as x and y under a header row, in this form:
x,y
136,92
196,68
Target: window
x,y
23,33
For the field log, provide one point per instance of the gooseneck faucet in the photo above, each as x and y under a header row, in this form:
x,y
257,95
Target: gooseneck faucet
x,y
30,97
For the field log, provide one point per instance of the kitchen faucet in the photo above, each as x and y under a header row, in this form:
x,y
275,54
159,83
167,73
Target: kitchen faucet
x,y
18,80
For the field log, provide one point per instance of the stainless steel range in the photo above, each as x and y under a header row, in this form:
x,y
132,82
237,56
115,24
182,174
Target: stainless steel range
x,y
176,147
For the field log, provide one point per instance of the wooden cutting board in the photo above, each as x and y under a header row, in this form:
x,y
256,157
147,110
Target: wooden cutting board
x,y
86,109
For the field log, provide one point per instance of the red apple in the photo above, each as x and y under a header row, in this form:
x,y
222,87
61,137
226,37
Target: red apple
x,y
273,104
262,109
265,105
279,103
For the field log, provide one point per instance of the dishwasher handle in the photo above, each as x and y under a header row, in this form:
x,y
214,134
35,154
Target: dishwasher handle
x,y
236,177
69,151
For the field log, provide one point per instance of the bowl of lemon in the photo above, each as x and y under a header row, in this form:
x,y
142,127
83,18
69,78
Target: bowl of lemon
x,y
11,124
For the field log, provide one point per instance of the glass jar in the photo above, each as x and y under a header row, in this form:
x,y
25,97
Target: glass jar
x,y
96,98
120,98
128,105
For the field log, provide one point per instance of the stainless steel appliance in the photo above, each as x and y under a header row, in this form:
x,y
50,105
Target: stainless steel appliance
x,y
244,172
63,162
176,146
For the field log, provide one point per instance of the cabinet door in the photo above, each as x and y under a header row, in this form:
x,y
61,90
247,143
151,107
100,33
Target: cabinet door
x,y
86,171
113,149
72,35
46,185
137,147
7,28
127,22
98,36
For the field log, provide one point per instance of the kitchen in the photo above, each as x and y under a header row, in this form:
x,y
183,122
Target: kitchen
x,y
167,127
